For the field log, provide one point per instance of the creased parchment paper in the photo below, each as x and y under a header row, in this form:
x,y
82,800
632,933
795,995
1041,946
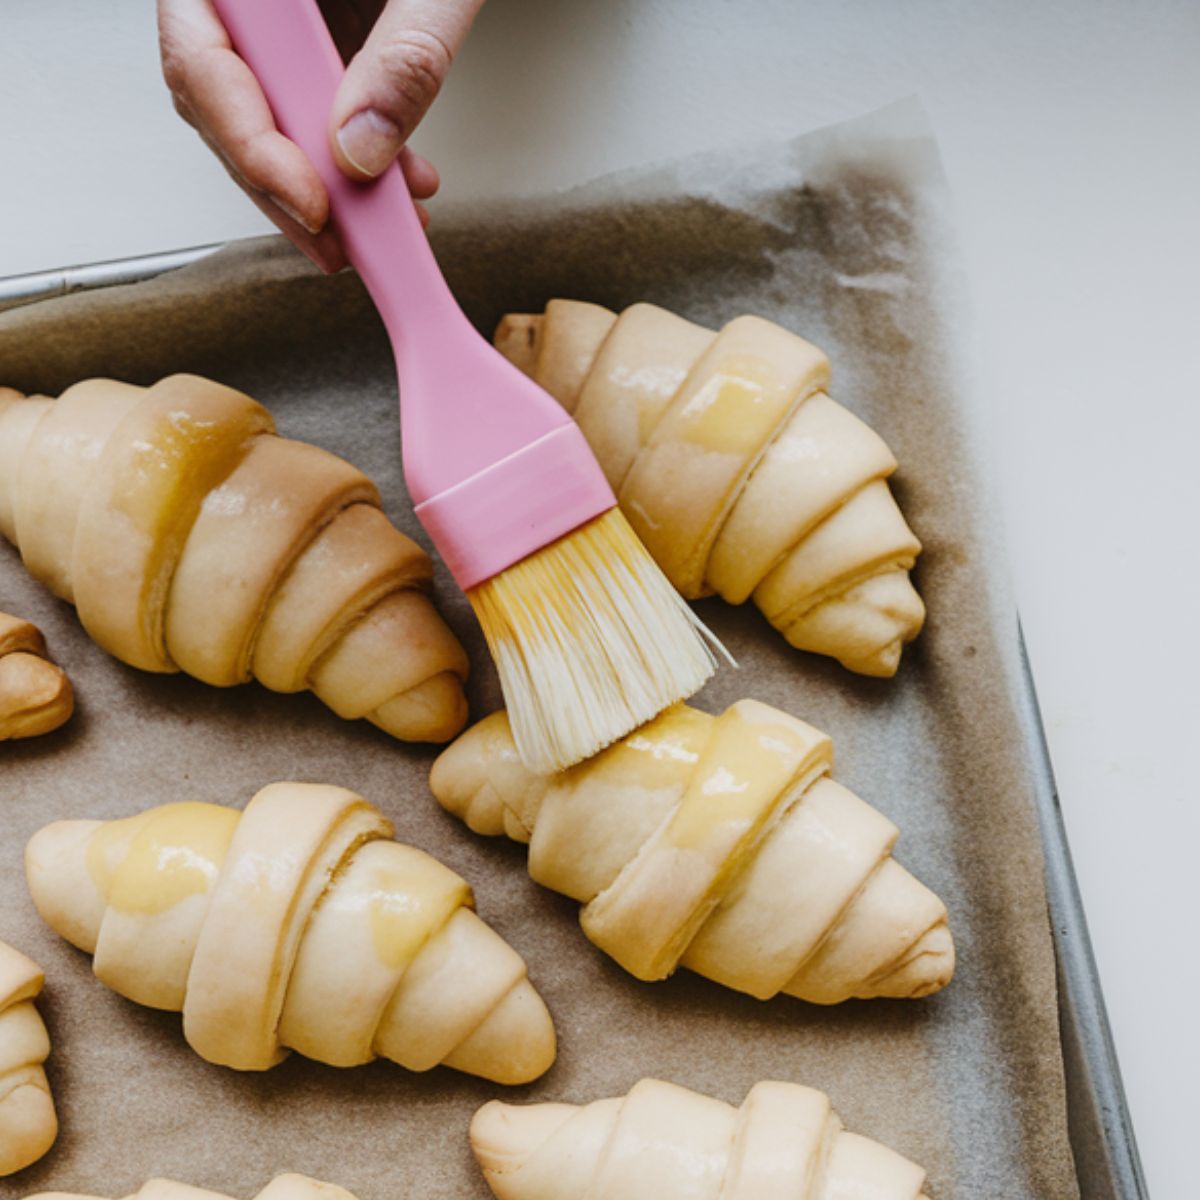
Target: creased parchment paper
x,y
840,235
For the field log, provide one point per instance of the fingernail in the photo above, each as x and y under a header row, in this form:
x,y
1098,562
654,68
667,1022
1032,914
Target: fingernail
x,y
302,221
370,141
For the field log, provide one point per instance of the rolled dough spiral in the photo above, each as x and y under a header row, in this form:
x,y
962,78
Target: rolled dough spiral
x,y
298,925
35,695
720,844
28,1124
189,536
663,1142
737,470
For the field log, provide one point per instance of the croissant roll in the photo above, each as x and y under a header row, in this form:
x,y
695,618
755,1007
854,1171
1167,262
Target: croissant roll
x,y
284,1187
295,925
28,1123
190,537
35,695
720,844
736,469
663,1142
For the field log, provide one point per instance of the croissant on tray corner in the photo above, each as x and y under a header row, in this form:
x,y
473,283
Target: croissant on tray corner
x,y
720,844
664,1142
28,1123
738,471
283,1187
189,536
294,925
36,696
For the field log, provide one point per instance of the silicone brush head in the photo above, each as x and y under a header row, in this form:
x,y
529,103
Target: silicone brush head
x,y
590,640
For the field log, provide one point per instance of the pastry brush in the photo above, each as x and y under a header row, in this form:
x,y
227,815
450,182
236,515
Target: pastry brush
x,y
589,637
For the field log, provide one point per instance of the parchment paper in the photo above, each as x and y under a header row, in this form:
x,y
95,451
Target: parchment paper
x,y
840,235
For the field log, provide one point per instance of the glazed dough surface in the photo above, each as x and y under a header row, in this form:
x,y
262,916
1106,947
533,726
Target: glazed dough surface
x,y
297,924
190,536
720,844
736,468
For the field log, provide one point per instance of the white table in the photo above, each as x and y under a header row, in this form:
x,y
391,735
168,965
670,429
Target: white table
x,y
1069,132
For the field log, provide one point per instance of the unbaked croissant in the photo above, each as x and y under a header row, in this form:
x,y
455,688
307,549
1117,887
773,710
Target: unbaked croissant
x,y
720,844
663,1142
28,1124
737,470
283,1187
35,695
190,537
295,925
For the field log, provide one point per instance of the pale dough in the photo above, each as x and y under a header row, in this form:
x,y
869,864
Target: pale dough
x,y
283,1187
296,925
738,471
28,1124
189,536
720,844
663,1142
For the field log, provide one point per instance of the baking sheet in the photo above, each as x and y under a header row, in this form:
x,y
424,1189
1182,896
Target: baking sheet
x,y
841,235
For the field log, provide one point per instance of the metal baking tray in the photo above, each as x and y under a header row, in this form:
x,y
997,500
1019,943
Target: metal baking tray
x,y
1100,1125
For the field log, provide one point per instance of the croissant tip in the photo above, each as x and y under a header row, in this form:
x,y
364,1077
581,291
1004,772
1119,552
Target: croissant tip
x,y
881,666
878,662
292,1186
433,711
446,773
30,1127
55,860
505,1136
516,1044
461,777
49,844
36,696
928,968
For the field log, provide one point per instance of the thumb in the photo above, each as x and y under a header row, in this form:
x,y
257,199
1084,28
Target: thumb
x,y
391,82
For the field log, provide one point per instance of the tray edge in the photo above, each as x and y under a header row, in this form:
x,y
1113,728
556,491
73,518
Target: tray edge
x,y
1099,1121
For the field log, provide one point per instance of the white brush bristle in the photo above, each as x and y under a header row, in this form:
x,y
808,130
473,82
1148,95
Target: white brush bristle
x,y
591,641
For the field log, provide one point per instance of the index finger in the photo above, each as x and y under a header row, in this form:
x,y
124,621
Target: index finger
x,y
219,94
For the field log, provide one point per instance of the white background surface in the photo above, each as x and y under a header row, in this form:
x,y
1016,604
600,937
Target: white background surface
x,y
1070,136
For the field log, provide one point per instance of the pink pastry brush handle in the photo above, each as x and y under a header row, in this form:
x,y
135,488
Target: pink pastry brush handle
x,y
496,467
288,47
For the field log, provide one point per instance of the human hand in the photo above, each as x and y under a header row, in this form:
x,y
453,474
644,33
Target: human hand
x,y
404,51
